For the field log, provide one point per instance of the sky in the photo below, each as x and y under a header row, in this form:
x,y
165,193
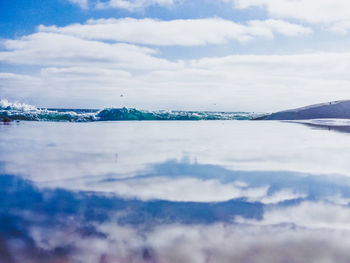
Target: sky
x,y
222,55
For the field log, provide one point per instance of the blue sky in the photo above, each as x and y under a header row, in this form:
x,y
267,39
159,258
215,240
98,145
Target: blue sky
x,y
252,55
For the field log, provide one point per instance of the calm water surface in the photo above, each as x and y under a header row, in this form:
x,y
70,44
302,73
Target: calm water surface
x,y
180,191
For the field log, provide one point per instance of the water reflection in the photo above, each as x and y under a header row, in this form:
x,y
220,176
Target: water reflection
x,y
65,196
78,150
184,181
326,125
57,225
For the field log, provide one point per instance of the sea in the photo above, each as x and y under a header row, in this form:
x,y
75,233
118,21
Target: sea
x,y
127,185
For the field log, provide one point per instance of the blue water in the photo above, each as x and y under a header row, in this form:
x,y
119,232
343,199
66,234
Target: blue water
x,y
16,111
174,191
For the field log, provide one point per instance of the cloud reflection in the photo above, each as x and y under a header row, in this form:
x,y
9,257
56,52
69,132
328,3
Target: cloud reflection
x,y
184,181
56,225
68,200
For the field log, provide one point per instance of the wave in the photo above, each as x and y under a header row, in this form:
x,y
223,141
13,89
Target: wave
x,y
19,111
10,111
134,114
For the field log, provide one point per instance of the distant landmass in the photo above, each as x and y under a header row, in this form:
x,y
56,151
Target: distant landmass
x,y
330,110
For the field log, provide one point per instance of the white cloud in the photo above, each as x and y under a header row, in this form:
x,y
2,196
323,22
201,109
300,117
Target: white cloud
x,y
190,32
18,86
280,196
185,189
341,27
84,62
82,3
312,11
239,82
133,5
58,49
311,215
224,243
330,14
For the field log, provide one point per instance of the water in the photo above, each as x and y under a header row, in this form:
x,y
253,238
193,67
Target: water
x,y
10,111
175,191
